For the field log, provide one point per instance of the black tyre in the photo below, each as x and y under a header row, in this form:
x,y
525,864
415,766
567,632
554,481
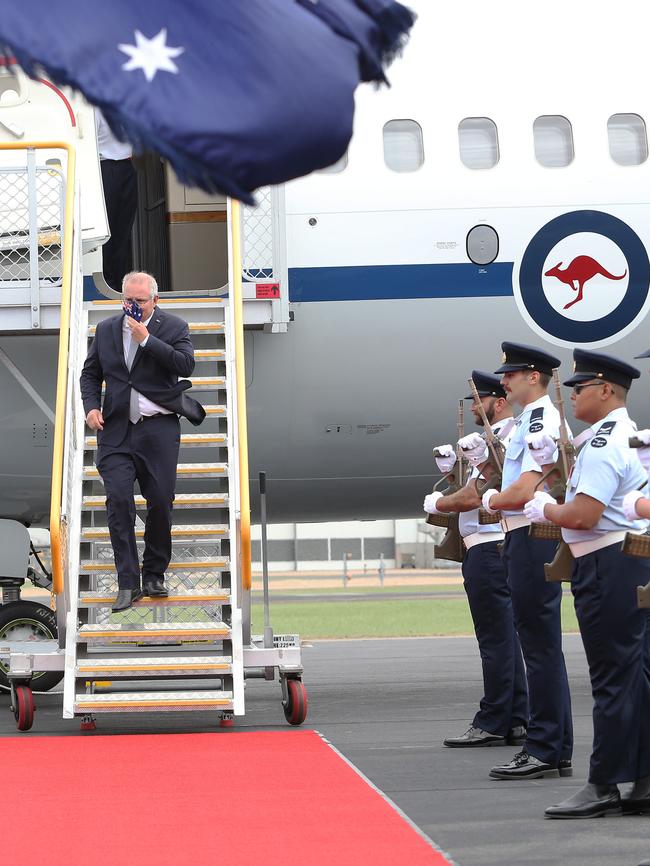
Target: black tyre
x,y
28,620
295,711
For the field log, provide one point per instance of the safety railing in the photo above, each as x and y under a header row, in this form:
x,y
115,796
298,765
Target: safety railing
x,y
234,228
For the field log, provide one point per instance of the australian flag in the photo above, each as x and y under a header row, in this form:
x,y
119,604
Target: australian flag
x,y
236,94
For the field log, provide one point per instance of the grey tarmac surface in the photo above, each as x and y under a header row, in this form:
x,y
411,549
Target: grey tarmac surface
x,y
387,705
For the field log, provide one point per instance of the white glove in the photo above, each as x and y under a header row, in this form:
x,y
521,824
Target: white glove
x,y
534,510
644,436
486,500
430,502
447,461
629,504
542,447
643,453
474,448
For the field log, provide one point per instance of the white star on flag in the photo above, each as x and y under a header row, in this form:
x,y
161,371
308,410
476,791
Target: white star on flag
x,y
150,55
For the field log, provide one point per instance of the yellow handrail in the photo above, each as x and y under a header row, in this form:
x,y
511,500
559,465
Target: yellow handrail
x,y
240,372
64,335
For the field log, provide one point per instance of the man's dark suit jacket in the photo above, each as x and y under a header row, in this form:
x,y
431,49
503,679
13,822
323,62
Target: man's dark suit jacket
x,y
154,373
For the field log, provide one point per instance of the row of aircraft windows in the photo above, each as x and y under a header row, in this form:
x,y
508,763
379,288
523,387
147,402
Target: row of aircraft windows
x,y
478,141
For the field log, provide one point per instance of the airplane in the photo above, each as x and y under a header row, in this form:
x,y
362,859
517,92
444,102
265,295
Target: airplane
x,y
475,189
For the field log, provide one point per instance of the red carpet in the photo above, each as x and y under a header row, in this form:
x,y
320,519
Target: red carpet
x,y
283,799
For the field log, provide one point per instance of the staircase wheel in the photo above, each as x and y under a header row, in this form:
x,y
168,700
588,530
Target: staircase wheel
x,y
295,710
23,708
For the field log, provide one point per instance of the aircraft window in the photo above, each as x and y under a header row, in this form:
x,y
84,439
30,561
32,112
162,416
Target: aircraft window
x,y
553,141
478,140
628,140
335,167
482,245
403,147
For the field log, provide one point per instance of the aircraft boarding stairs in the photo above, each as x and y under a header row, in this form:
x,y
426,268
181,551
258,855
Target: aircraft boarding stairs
x,y
183,652
190,651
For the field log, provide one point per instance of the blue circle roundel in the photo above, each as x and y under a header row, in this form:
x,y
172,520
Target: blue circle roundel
x,y
599,286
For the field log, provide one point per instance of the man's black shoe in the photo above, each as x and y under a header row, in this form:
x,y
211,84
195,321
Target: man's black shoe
x,y
592,801
474,737
125,598
154,588
636,801
516,736
524,766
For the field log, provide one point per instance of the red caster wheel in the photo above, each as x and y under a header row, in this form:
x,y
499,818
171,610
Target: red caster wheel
x,y
23,707
295,709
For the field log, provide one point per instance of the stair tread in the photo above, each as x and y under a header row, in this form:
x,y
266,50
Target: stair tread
x,y
195,327
152,699
87,599
209,354
180,533
139,663
182,500
181,469
90,442
219,562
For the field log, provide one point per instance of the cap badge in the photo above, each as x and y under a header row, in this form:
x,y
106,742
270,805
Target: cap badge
x,y
504,358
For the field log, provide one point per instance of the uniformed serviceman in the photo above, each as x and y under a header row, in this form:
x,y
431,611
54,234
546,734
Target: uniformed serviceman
x,y
526,372
604,586
503,709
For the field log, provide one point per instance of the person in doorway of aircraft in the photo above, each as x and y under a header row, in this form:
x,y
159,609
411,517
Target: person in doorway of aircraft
x,y
595,519
120,184
503,710
526,372
140,355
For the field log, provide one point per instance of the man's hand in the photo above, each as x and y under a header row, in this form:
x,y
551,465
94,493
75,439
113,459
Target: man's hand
x,y
430,502
629,504
139,331
542,448
486,500
95,420
474,448
534,509
447,459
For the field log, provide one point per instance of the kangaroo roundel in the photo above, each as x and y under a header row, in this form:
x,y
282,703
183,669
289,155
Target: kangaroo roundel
x,y
583,280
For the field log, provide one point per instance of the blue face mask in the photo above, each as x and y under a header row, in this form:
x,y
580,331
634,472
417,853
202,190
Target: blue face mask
x,y
133,309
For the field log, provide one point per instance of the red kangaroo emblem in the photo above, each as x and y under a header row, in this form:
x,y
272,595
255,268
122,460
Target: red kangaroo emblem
x,y
581,269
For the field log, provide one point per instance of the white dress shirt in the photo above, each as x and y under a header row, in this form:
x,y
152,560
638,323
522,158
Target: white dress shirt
x,y
109,147
147,407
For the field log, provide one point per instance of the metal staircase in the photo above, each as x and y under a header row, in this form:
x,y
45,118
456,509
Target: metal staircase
x,y
183,652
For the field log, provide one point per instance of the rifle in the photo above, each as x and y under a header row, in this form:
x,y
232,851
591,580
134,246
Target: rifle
x,y
561,470
451,547
494,462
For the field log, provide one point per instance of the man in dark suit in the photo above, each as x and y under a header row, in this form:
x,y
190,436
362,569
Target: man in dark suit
x,y
138,428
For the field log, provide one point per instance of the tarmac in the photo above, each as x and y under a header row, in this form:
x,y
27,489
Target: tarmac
x,y
387,705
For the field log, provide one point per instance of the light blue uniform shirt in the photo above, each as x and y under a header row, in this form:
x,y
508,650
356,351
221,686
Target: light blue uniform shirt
x,y
606,469
468,520
538,417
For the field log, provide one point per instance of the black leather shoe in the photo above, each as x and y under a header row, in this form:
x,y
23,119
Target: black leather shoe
x,y
592,801
516,736
524,766
154,588
565,768
474,737
125,598
636,801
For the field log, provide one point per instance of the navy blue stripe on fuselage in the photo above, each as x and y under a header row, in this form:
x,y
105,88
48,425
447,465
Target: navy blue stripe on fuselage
x,y
386,282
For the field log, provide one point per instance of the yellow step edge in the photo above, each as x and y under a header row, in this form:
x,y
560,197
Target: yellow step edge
x,y
139,533
120,635
109,565
180,470
213,667
226,702
204,300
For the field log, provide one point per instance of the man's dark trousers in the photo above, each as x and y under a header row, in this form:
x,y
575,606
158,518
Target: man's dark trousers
x,y
505,700
613,633
120,184
149,455
536,605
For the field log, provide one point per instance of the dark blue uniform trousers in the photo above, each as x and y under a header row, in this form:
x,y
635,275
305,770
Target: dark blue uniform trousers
x,y
148,455
505,700
613,632
536,606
